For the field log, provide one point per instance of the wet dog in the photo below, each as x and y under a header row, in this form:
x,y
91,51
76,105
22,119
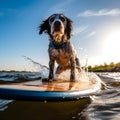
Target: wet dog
x,y
59,29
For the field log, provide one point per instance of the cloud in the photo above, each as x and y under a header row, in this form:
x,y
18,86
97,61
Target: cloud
x,y
80,29
91,34
8,11
60,7
102,12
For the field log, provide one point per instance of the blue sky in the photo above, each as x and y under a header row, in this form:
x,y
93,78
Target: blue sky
x,y
96,30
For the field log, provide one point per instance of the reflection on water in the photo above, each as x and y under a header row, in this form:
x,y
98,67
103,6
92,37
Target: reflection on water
x,y
3,104
23,110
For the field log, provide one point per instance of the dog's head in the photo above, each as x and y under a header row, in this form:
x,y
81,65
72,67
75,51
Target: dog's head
x,y
58,27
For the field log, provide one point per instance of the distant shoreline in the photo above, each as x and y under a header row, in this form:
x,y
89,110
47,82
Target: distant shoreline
x,y
112,67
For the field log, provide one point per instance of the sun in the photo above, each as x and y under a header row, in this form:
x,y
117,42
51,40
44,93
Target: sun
x,y
111,45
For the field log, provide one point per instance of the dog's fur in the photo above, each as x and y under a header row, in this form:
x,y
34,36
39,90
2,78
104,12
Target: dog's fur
x,y
59,29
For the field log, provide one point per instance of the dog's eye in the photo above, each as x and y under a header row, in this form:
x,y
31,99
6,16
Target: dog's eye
x,y
51,19
62,19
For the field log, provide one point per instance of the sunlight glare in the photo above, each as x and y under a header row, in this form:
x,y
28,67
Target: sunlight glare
x,y
111,45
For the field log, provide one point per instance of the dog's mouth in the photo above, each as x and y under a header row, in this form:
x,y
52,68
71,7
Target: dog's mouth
x,y
57,31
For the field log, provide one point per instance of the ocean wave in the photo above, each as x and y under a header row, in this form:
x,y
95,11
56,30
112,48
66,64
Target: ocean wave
x,y
18,76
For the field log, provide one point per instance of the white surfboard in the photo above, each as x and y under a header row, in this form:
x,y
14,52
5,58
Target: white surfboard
x,y
49,91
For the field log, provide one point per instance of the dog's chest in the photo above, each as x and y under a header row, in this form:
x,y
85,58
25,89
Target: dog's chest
x,y
62,56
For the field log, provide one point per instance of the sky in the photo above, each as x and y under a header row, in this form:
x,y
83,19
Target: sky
x,y
96,31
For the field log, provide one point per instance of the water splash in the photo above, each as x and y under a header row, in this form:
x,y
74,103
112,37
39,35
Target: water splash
x,y
42,69
82,76
83,52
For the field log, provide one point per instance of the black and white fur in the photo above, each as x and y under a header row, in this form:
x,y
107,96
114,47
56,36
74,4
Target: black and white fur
x,y
59,29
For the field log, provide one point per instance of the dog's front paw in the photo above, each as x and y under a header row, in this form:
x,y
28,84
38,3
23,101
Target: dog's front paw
x,y
50,80
45,80
72,78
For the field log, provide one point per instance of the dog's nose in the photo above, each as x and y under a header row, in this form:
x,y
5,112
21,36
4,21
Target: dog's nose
x,y
57,23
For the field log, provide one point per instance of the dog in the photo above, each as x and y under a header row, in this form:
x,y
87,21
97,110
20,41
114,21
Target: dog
x,y
59,29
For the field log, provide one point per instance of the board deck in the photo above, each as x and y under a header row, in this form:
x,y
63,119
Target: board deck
x,y
49,91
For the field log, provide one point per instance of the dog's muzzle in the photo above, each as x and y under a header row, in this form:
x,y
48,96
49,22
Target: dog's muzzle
x,y
57,30
57,27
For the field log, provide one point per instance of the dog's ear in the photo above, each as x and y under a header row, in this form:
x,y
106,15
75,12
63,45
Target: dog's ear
x,y
68,28
44,27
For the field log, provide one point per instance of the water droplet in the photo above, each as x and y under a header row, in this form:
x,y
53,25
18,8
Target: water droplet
x,y
45,101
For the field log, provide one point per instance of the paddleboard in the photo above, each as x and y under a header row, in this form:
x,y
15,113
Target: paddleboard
x,y
49,91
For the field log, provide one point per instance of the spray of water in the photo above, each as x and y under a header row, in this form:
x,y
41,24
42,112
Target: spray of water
x,y
82,76
42,69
